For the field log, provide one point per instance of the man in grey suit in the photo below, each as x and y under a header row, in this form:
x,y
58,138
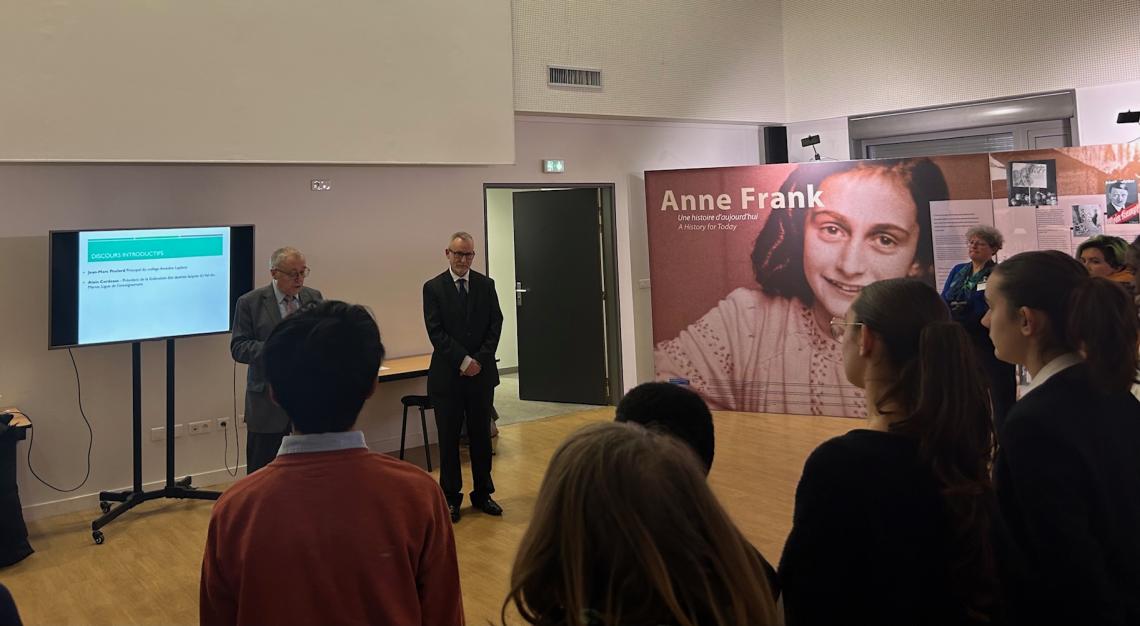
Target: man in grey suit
x,y
256,315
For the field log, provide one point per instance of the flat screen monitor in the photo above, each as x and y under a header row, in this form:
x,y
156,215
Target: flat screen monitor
x,y
121,286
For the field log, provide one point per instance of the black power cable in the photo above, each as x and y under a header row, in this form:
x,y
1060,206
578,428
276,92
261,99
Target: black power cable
x,y
90,434
237,436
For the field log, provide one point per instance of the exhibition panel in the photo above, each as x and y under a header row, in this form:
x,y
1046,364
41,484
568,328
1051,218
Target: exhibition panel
x,y
758,261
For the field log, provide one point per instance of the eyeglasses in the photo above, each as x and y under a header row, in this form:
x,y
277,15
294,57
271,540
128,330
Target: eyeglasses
x,y
293,275
977,243
461,255
839,327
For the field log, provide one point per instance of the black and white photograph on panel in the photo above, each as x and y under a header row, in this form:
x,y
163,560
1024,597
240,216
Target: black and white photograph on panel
x,y
1032,183
1120,202
1087,220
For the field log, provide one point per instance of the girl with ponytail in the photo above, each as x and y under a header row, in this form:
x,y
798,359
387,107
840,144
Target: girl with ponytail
x,y
893,523
1068,471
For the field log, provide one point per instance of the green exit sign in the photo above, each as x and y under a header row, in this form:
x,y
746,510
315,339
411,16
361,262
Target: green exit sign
x,y
553,166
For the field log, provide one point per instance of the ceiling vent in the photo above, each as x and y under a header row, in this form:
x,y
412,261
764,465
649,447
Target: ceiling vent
x,y
573,77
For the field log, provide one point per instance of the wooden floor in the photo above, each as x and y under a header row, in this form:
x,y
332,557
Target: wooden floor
x,y
147,571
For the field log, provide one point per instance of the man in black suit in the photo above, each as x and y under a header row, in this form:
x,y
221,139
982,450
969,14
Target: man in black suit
x,y
256,315
463,319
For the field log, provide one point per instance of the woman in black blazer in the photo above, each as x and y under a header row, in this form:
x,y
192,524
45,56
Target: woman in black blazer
x,y
1068,468
893,521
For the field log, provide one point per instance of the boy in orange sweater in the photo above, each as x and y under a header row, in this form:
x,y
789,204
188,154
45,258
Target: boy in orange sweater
x,y
329,533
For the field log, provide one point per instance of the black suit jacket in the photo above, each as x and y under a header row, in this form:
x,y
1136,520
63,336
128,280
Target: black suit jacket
x,y
255,316
8,613
1068,480
455,333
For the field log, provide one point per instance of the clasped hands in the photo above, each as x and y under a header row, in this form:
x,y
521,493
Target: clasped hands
x,y
473,369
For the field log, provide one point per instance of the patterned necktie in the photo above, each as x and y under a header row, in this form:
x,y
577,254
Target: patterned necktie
x,y
291,305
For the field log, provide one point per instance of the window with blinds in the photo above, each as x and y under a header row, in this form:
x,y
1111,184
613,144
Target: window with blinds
x,y
997,142
1028,122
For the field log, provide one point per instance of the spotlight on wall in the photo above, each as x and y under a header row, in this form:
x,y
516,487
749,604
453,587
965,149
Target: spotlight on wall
x,y
811,140
1128,117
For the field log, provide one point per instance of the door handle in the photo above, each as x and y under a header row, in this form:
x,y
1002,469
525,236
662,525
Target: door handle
x,y
519,291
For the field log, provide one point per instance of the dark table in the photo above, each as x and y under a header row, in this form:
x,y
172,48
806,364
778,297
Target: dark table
x,y
14,546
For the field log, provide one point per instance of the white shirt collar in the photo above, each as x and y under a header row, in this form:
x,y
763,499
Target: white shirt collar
x,y
322,442
455,277
280,296
1052,368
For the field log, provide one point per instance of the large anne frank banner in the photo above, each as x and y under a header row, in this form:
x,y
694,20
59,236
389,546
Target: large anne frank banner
x,y
751,264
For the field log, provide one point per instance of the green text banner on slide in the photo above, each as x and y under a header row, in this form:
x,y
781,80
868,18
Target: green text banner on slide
x,y
112,249
751,264
143,283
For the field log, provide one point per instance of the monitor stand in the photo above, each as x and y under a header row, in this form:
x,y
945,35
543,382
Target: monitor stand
x,y
136,495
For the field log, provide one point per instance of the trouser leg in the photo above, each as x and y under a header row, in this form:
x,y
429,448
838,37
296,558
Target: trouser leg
x,y
478,412
261,449
448,410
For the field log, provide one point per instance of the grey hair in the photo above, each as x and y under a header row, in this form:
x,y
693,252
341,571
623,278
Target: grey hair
x,y
990,234
465,236
280,254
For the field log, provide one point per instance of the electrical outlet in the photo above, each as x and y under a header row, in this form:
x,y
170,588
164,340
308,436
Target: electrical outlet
x,y
159,433
200,427
223,423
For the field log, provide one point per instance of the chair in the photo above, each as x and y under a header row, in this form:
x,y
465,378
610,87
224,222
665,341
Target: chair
x,y
422,403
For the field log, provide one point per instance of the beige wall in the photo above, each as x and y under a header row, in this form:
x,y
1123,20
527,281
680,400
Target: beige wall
x,y
1096,113
374,239
768,61
864,56
684,59
501,267
259,80
834,140
435,81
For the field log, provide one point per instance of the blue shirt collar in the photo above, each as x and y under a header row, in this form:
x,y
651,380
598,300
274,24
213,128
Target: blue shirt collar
x,y
277,293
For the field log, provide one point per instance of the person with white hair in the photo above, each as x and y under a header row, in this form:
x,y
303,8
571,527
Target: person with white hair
x,y
256,314
965,294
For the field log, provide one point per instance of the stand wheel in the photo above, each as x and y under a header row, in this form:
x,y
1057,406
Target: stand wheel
x,y
97,535
105,507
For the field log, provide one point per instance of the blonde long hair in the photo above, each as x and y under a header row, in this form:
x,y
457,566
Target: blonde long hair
x,y
627,531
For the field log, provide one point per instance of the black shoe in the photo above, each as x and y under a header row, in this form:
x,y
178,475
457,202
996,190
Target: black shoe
x,y
490,507
454,509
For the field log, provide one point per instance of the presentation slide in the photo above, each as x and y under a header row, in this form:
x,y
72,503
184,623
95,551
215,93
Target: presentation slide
x,y
153,283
